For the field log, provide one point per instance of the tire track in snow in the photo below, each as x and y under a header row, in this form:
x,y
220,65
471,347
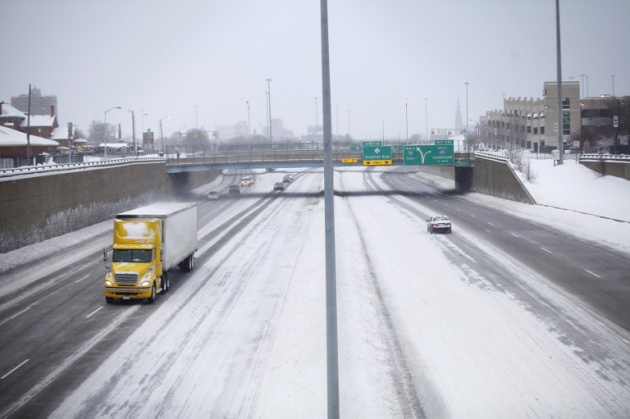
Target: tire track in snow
x,y
399,371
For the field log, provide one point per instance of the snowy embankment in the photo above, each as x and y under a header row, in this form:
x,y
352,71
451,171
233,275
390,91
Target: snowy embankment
x,y
244,335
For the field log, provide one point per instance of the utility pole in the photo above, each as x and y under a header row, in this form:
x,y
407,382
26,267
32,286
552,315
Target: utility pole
x,y
249,133
269,107
332,354
559,85
28,129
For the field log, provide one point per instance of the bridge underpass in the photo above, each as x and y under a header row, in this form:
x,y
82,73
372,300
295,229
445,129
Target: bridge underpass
x,y
463,176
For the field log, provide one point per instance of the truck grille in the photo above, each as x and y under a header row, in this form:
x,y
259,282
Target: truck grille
x,y
126,278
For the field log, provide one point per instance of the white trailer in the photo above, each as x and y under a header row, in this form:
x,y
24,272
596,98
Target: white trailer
x,y
179,231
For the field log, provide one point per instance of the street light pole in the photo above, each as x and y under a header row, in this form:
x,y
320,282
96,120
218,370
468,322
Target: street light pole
x,y
407,121
426,118
105,147
332,355
559,85
133,132
249,134
269,107
162,134
466,135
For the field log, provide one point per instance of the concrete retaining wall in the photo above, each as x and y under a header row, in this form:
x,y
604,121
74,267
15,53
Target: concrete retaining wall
x,y
617,166
37,207
494,176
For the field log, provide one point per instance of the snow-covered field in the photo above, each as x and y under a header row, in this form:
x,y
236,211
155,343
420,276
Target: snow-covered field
x,y
244,335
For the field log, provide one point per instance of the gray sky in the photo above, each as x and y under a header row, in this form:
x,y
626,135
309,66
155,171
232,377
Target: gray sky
x,y
199,62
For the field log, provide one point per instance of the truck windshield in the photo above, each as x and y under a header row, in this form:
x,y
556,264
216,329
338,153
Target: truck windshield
x,y
132,255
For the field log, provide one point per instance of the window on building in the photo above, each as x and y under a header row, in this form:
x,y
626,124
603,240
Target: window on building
x,y
542,130
566,122
535,130
529,130
566,103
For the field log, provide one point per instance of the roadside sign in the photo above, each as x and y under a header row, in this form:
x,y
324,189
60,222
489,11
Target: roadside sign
x,y
350,160
380,155
463,163
377,162
439,154
372,143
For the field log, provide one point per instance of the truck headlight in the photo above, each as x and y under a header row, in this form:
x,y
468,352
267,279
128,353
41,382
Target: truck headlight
x,y
146,280
108,283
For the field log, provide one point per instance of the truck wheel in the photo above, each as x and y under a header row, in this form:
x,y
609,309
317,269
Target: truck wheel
x,y
187,264
165,283
151,299
109,300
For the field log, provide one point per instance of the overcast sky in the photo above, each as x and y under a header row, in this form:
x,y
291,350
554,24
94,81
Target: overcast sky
x,y
201,61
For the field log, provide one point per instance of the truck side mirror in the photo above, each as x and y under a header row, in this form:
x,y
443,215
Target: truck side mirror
x,y
105,255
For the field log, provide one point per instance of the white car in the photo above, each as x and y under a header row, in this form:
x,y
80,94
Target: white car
x,y
213,195
247,181
439,223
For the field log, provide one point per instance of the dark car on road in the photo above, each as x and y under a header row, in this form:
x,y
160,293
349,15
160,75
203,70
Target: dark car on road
x,y
278,186
234,190
439,223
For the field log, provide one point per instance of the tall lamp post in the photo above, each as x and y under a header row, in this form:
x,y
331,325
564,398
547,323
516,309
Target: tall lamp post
x,y
133,132
106,134
162,134
406,121
426,118
466,137
559,85
249,133
269,107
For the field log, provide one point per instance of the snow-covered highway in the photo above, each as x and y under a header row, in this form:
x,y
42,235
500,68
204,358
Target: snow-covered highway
x,y
459,325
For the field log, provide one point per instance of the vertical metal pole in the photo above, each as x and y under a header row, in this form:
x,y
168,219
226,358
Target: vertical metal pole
x,y
406,121
331,280
162,138
269,107
28,130
559,85
133,133
466,136
105,139
426,118
248,121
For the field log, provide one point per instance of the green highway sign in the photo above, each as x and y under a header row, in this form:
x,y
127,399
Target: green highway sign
x,y
380,155
439,154
372,143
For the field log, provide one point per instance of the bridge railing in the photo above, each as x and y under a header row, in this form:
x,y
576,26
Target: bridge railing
x,y
51,168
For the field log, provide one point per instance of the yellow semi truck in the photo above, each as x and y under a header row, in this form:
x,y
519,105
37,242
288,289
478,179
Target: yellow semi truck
x,y
148,242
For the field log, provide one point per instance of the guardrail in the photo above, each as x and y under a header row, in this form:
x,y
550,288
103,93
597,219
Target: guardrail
x,y
623,157
48,168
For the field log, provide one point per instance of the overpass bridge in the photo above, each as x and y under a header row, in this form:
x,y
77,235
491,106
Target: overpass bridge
x,y
275,160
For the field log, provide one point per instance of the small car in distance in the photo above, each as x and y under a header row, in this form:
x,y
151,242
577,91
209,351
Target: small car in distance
x,y
278,186
439,223
234,190
247,181
213,195
288,178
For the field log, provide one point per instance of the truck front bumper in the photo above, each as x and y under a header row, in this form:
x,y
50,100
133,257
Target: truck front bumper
x,y
128,293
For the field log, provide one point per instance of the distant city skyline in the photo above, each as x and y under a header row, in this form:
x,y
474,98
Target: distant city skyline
x,y
394,66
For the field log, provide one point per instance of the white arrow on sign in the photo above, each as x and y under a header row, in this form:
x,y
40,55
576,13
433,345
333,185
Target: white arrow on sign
x,y
422,155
